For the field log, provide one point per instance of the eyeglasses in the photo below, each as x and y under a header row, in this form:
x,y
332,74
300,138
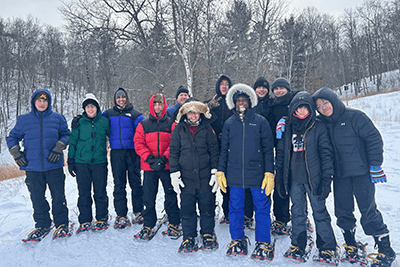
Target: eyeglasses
x,y
323,105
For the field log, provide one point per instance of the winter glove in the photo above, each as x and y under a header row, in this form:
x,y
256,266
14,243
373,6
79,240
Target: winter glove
x,y
280,128
268,183
221,181
55,154
213,181
151,159
214,102
377,174
324,190
75,121
176,181
71,166
18,156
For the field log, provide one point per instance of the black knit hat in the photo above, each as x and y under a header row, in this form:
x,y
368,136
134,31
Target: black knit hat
x,y
261,82
281,82
181,89
41,95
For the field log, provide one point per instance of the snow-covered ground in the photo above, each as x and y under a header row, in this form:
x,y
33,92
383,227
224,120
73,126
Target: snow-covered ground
x,y
119,248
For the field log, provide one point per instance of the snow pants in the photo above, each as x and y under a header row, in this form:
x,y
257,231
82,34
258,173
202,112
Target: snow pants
x,y
360,187
281,208
261,208
206,205
248,203
150,189
323,228
36,183
86,176
123,161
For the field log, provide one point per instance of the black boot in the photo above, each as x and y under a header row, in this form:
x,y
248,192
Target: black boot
x,y
350,237
386,254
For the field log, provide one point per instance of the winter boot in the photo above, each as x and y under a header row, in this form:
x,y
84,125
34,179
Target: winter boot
x,y
385,255
188,245
100,225
281,228
248,223
121,222
85,227
209,242
354,252
237,247
264,251
63,230
296,253
146,233
37,234
137,218
174,231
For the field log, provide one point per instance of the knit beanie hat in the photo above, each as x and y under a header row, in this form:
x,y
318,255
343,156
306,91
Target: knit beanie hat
x,y
91,99
120,92
41,95
281,82
181,89
261,82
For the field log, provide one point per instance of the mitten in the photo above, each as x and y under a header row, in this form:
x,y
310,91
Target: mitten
x,y
75,121
268,183
377,174
324,190
280,128
176,181
221,181
214,102
18,156
71,166
55,154
213,181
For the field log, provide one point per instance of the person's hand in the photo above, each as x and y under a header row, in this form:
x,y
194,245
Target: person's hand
x,y
71,166
55,154
268,183
75,121
176,181
324,190
377,174
18,156
213,181
214,102
280,128
221,181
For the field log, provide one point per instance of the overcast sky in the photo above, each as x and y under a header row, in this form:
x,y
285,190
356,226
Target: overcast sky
x,y
47,10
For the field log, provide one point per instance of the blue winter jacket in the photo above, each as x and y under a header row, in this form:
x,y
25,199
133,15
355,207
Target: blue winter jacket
x,y
39,131
246,150
171,110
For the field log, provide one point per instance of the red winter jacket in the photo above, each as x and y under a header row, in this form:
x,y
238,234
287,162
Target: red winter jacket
x,y
153,136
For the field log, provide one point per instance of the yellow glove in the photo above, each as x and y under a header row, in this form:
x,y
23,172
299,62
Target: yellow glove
x,y
221,181
268,183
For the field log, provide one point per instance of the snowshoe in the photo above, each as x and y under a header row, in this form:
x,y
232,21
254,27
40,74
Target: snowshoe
x,y
381,260
209,242
237,247
84,227
328,256
137,218
121,222
147,233
248,223
63,230
299,254
188,245
310,227
100,225
37,234
281,228
224,220
386,254
355,254
174,231
264,251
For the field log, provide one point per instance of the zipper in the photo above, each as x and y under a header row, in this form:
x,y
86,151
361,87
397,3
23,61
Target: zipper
x,y
41,140
243,152
305,158
119,125
93,134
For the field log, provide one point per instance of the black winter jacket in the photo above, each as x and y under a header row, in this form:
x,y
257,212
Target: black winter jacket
x,y
318,148
356,141
194,155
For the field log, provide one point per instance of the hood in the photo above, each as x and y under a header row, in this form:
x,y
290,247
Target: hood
x,y
245,89
151,107
37,92
302,98
218,83
331,96
192,104
126,94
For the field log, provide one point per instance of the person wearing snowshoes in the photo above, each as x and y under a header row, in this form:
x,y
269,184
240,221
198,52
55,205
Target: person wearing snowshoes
x,y
304,166
152,141
247,161
44,134
87,160
358,156
193,165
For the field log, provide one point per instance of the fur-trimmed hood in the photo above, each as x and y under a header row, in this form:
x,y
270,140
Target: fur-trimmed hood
x,y
195,106
244,88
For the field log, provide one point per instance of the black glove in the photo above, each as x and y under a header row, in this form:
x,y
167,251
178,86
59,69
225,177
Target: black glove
x,y
214,102
151,159
55,154
18,156
75,121
71,166
324,190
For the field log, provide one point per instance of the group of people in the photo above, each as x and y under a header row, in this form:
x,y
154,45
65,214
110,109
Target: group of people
x,y
242,140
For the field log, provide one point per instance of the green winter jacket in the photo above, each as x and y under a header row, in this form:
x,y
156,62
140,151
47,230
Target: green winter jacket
x,y
88,142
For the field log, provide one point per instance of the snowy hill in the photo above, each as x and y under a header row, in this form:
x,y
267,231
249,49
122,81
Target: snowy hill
x,y
118,247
